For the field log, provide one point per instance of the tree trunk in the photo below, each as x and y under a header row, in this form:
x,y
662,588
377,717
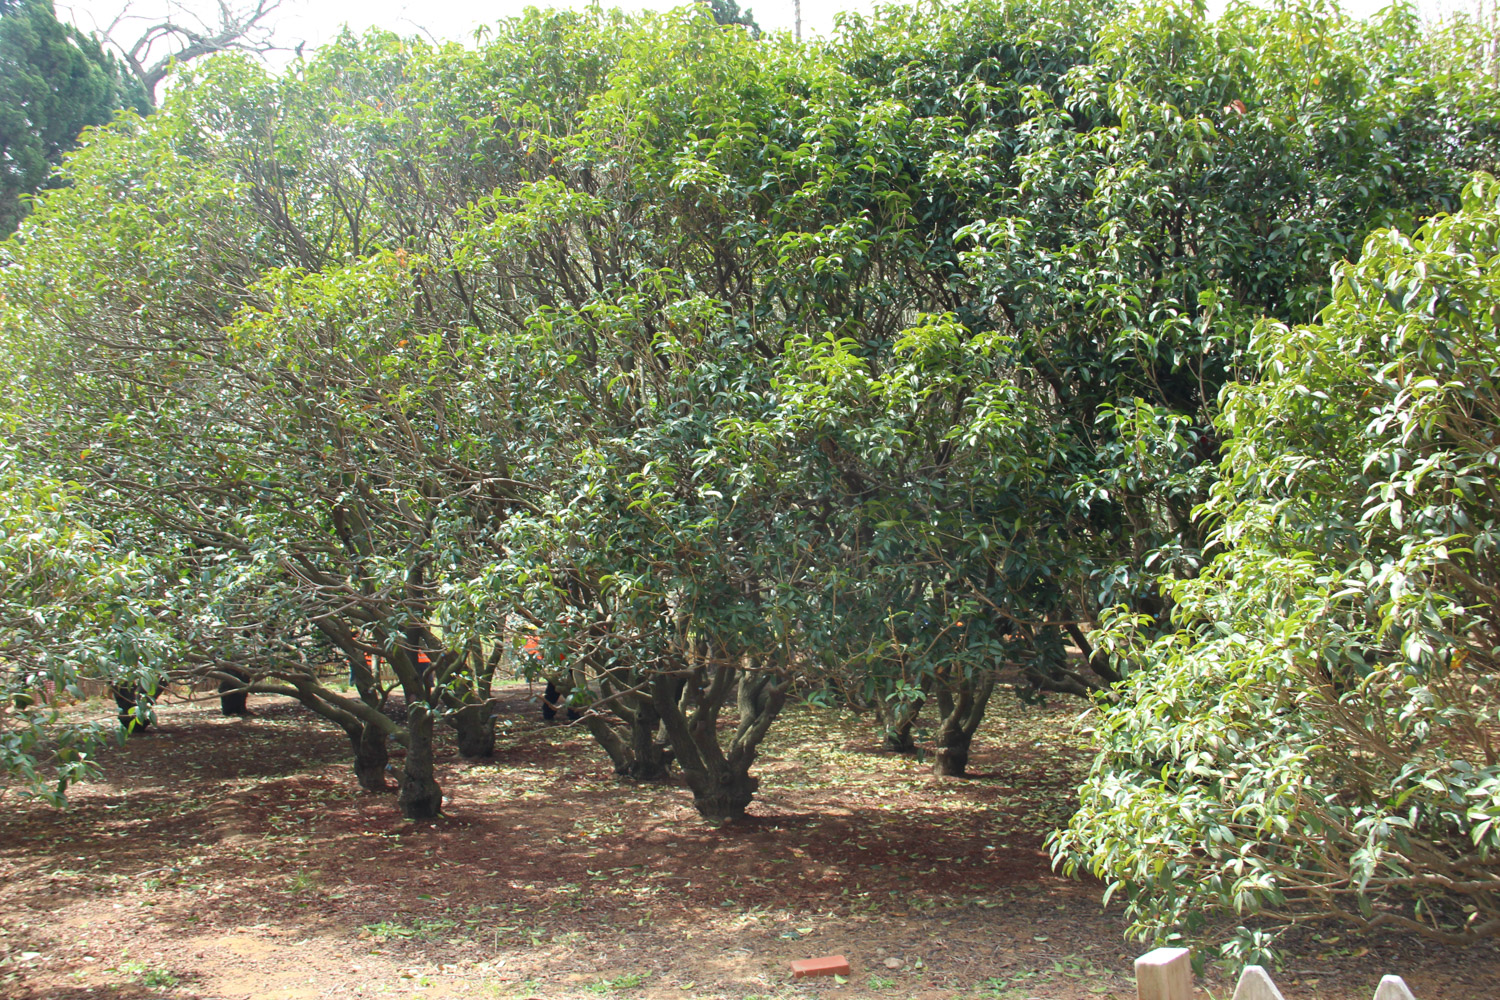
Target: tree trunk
x,y
1098,660
128,700
608,737
952,757
962,703
636,752
371,758
650,759
722,794
474,726
634,748
465,690
234,695
898,717
368,736
721,782
899,739
361,675
420,797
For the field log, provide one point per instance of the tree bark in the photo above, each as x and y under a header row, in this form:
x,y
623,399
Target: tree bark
x,y
961,702
721,781
898,739
608,737
127,700
474,727
1097,660
420,796
466,693
634,748
722,794
897,719
369,730
234,692
360,673
371,757
650,759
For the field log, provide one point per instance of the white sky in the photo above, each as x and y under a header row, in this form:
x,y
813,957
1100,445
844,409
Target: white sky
x,y
317,21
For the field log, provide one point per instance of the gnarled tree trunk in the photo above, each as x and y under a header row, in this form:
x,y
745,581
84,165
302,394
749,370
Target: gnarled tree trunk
x,y
369,726
466,693
961,701
234,692
371,757
719,778
898,717
650,758
368,729
632,744
633,748
420,796
474,730
133,715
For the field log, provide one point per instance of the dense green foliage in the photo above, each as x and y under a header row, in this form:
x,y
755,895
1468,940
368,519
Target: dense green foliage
x,y
888,367
54,82
1321,727
67,604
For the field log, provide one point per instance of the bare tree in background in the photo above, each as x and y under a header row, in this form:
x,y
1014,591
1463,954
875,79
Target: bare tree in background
x,y
179,34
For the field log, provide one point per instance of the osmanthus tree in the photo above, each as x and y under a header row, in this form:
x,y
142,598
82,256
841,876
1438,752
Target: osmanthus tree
x,y
768,217
665,579
251,349
984,480
708,358
231,451
1316,736
946,589
909,409
1193,176
59,582
338,332
1105,202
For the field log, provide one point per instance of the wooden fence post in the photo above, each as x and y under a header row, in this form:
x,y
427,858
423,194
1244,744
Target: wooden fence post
x,y
1255,984
1393,988
1167,974
1164,974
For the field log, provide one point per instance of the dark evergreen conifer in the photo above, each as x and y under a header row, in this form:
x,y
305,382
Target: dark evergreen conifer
x,y
54,82
728,12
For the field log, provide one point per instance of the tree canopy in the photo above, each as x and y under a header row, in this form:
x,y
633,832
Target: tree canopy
x,y
1346,639
943,358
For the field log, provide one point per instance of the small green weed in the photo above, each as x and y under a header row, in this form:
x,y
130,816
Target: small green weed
x,y
416,929
158,979
1006,987
629,981
149,976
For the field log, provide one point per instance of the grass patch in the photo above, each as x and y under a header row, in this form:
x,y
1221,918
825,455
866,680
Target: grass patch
x,y
413,929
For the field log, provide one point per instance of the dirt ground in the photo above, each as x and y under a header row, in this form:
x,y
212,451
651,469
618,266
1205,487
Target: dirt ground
x,y
229,859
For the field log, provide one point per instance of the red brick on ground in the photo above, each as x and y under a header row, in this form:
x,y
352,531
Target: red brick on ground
x,y
829,965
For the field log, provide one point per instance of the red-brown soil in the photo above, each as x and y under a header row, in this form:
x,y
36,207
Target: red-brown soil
x,y
235,859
